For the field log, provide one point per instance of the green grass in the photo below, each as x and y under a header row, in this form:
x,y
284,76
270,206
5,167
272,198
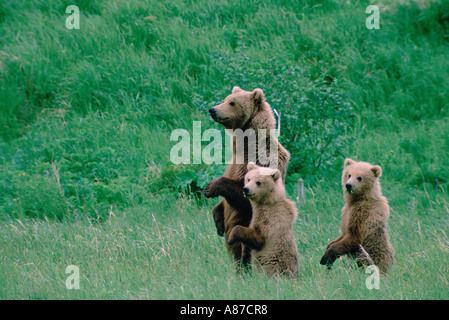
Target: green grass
x,y
85,123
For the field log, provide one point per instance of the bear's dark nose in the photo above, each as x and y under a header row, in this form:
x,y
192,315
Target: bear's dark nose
x,y
245,190
348,186
212,112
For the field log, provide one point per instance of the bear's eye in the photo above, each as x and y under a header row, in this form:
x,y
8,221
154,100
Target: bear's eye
x,y
258,183
359,178
349,176
232,103
249,180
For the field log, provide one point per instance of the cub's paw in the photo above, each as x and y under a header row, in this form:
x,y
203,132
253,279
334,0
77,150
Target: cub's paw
x,y
328,258
324,260
212,189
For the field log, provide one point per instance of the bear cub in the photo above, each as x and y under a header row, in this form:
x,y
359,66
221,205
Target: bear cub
x,y
270,233
364,219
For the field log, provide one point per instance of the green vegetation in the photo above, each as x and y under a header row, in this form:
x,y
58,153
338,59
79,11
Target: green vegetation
x,y
86,117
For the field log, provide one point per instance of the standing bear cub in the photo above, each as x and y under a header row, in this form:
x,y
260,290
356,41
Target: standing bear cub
x,y
270,233
364,219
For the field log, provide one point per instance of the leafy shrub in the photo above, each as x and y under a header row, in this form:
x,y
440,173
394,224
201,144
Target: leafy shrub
x,y
315,132
187,179
314,115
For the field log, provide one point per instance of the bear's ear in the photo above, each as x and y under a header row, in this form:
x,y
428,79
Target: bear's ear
x,y
258,97
377,170
251,166
348,162
236,89
276,174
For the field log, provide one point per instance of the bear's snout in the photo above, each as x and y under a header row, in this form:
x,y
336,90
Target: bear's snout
x,y
247,193
348,187
213,113
218,115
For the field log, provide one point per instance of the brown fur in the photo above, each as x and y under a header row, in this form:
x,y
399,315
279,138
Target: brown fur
x,y
249,111
270,233
364,218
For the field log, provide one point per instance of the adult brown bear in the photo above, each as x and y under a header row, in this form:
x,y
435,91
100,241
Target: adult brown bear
x,y
243,112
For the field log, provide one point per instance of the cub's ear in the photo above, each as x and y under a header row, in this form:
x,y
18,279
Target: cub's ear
x,y
377,170
276,174
348,162
258,96
236,89
251,166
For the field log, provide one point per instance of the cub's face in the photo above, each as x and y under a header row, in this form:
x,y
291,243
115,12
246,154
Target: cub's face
x,y
236,110
260,182
358,177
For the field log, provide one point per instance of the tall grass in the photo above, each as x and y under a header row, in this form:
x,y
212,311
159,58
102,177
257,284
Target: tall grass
x,y
86,117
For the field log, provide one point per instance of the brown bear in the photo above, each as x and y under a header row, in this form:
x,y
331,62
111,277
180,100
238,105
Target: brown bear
x,y
364,219
270,233
244,110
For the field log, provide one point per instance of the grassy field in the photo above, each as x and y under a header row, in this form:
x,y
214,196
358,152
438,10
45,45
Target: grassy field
x,y
85,122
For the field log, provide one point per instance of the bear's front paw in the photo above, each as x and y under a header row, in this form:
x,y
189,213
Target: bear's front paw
x,y
212,189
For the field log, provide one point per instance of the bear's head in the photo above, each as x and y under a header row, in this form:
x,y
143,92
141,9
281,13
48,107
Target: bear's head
x,y
262,184
360,178
240,108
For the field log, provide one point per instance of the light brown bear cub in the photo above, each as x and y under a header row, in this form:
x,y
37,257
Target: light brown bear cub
x,y
270,233
364,219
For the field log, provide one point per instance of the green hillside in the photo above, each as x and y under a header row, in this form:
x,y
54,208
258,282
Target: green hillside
x,y
86,116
